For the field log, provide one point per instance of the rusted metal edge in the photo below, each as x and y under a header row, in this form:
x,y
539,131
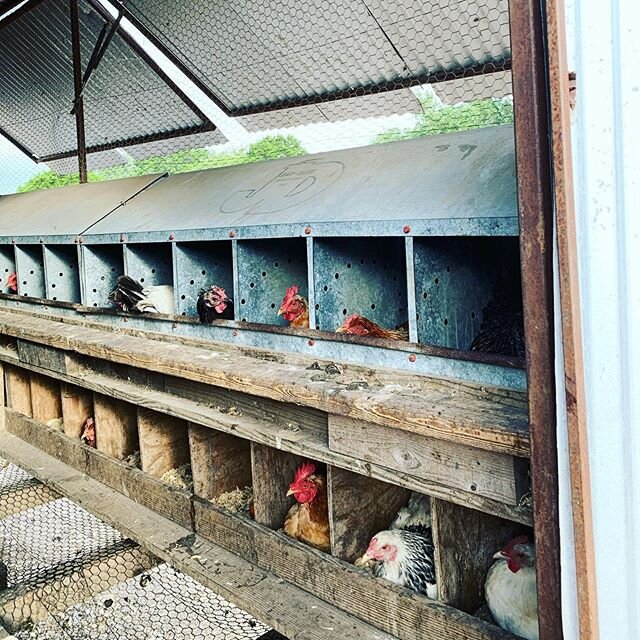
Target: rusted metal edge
x,y
128,142
559,81
535,204
78,102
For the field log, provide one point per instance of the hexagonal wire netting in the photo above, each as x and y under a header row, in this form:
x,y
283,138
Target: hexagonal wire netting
x,y
64,574
183,86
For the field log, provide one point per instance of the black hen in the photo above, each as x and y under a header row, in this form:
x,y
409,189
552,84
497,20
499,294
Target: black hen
x,y
502,328
214,304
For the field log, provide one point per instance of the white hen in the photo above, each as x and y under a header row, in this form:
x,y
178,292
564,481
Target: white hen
x,y
510,589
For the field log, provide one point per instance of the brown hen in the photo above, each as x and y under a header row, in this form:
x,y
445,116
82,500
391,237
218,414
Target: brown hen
x,y
308,519
358,325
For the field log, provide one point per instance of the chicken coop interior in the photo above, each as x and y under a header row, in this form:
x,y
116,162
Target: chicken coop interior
x,y
314,369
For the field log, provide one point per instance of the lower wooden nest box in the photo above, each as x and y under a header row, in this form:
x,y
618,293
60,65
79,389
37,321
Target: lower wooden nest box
x,y
230,444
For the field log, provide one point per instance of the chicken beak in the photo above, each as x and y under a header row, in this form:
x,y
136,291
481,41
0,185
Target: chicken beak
x,y
280,311
341,329
291,492
500,555
229,300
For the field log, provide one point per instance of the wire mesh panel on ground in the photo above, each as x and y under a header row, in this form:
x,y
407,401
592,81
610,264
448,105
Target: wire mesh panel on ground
x,y
65,574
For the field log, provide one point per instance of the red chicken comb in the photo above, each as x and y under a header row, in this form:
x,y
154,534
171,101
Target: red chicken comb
x,y
304,471
291,292
518,540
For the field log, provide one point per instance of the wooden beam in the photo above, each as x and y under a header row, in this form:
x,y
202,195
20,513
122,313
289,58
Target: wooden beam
x,y
465,542
359,507
494,475
272,472
219,462
18,390
164,443
116,427
464,412
45,398
77,406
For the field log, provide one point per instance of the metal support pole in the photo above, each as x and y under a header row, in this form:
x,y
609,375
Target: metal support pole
x,y
77,87
535,203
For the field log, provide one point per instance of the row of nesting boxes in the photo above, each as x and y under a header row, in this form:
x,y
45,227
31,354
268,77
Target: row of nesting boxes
x,y
418,232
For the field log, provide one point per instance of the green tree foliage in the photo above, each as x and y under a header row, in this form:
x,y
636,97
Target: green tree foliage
x,y
437,118
269,148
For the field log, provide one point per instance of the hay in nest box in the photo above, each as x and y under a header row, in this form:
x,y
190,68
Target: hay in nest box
x,y
180,477
236,501
133,460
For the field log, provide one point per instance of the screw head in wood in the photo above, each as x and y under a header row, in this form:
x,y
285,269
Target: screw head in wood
x,y
232,233
412,357
307,230
406,228
311,342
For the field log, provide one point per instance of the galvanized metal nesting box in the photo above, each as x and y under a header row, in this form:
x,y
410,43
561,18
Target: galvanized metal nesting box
x,y
422,233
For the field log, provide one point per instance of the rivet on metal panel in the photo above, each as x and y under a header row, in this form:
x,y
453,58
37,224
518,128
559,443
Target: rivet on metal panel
x,y
232,233
412,357
234,333
406,228
13,241
174,325
122,238
41,241
172,236
311,342
307,230
80,240
125,319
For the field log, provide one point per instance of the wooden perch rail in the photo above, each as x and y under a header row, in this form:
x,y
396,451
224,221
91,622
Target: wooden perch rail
x,y
466,413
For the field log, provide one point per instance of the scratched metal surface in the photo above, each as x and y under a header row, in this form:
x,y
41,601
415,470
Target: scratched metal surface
x,y
66,211
445,181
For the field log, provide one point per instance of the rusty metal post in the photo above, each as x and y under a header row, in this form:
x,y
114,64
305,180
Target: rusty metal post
x,y
535,203
77,90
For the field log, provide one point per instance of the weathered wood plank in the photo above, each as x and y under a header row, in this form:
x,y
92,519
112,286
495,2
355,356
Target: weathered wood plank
x,y
77,406
219,462
45,398
116,426
465,541
486,473
31,603
299,442
42,356
18,390
288,609
164,443
400,612
272,472
359,507
472,414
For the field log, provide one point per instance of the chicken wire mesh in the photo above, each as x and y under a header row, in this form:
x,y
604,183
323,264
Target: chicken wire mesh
x,y
64,574
184,86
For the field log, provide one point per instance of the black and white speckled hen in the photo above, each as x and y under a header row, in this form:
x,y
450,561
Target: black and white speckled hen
x,y
130,295
405,557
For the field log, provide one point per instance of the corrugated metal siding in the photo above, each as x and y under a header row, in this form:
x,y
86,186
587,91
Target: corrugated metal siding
x,y
605,44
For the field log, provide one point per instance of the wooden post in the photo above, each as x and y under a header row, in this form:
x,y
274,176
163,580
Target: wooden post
x,y
164,444
219,462
45,398
465,541
116,428
273,472
18,390
359,507
77,406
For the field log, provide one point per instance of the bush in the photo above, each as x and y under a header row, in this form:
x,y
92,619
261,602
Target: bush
x,y
436,118
269,148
